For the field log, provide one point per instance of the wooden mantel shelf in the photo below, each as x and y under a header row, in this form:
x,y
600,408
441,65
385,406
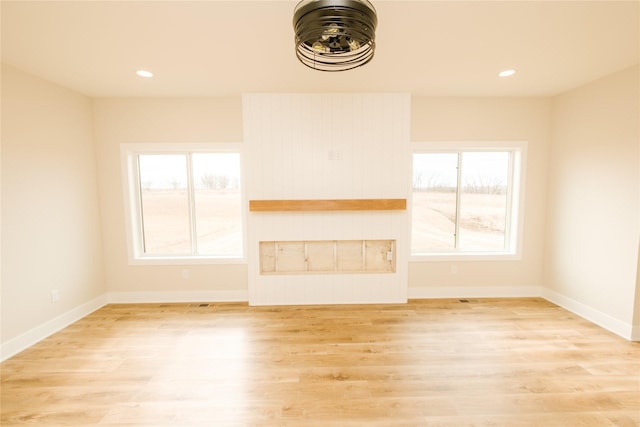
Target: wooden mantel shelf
x,y
327,205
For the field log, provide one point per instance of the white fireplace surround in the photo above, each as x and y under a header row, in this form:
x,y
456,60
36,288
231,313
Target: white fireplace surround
x,y
327,146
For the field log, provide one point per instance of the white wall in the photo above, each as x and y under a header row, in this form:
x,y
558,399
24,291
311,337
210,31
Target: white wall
x,y
220,120
51,237
327,146
593,216
488,119
194,120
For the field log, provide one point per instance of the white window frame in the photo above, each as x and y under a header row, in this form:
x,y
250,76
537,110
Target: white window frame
x,y
515,212
133,215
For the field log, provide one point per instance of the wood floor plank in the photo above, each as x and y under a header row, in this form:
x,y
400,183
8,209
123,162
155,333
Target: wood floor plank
x,y
487,362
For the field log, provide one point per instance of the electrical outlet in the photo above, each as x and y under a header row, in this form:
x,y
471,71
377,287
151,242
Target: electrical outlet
x,y
185,274
55,295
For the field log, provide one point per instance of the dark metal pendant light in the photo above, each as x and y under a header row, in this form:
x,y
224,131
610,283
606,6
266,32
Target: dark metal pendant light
x,y
334,35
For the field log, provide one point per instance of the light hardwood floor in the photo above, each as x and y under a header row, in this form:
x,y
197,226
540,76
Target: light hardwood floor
x,y
488,362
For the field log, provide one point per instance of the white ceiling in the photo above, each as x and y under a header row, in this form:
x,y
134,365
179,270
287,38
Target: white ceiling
x,y
220,48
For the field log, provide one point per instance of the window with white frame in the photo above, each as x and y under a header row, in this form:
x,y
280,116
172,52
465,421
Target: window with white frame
x,y
183,202
467,199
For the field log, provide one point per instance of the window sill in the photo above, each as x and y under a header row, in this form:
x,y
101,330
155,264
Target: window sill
x,y
469,256
187,260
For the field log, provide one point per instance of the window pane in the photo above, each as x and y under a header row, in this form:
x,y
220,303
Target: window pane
x,y
165,204
483,202
216,179
434,202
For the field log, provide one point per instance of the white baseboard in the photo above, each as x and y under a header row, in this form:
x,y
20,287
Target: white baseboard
x,y
601,319
31,337
177,296
474,292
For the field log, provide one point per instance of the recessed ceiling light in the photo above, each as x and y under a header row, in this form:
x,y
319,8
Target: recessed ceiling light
x,y
506,73
144,73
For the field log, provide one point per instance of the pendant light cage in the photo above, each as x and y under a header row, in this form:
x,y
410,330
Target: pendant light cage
x,y
334,35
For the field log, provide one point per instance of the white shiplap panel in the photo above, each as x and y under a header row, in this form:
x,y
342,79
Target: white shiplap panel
x,y
306,146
